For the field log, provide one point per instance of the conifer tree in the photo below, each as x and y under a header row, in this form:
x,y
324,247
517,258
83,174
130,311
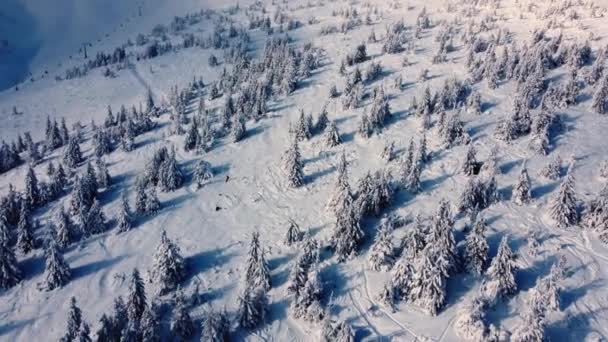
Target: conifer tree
x,y
57,272
95,221
238,129
10,274
169,268
322,120
563,206
125,221
600,98
72,156
252,307
170,176
32,194
342,196
470,162
136,300
150,324
347,234
182,325
120,318
522,194
152,204
292,165
382,253
203,172
302,128
332,136
74,322
216,327
104,333
193,138
293,234
25,240
500,277
388,151
428,283
104,180
476,251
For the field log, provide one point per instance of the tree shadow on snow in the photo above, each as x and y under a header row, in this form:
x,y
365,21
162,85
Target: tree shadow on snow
x,y
95,266
542,190
205,260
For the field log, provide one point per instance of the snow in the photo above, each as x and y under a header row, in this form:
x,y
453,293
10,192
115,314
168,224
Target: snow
x,y
258,199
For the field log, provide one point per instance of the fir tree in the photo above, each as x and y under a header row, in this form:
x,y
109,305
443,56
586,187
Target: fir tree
x,y
342,196
202,173
25,240
347,233
382,253
104,180
72,156
125,221
104,333
238,129
322,120
95,221
332,136
152,204
170,176
553,169
169,268
182,325
600,98
302,128
293,234
476,251
57,272
470,163
216,327
292,165
136,300
521,193
120,318
32,194
500,277
563,206
10,274
252,307
150,324
428,284
74,322
388,152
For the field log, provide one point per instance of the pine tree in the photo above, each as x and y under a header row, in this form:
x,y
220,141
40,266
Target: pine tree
x,y
193,138
150,324
32,191
297,276
72,156
216,327
95,221
600,98
125,221
57,272
423,154
302,128
169,268
332,136
136,300
342,196
563,206
170,176
25,240
120,318
500,277
293,234
441,234
553,169
64,231
238,129
388,152
203,172
104,180
74,322
104,333
182,325
476,251
307,304
470,325
322,120
470,163
521,193
10,274
428,284
252,307
292,165
257,274
382,253
152,204
413,179
347,234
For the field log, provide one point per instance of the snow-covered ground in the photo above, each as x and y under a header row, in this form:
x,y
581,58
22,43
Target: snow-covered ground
x,y
256,197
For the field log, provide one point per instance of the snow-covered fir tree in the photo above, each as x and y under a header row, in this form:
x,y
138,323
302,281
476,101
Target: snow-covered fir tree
x,y
388,151
302,129
563,206
25,240
64,229
74,322
470,164
203,172
10,273
125,220
476,250
237,128
216,327
57,272
470,322
257,274
104,180
521,193
599,102
136,299
322,120
151,205
306,304
169,267
252,308
119,319
428,284
150,326
104,333
332,136
182,325
596,215
441,233
293,234
382,253
170,175
32,194
500,276
193,138
292,165
347,234
72,155
553,169
95,220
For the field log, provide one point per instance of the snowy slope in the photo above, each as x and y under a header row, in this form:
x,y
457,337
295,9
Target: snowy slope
x,y
257,199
